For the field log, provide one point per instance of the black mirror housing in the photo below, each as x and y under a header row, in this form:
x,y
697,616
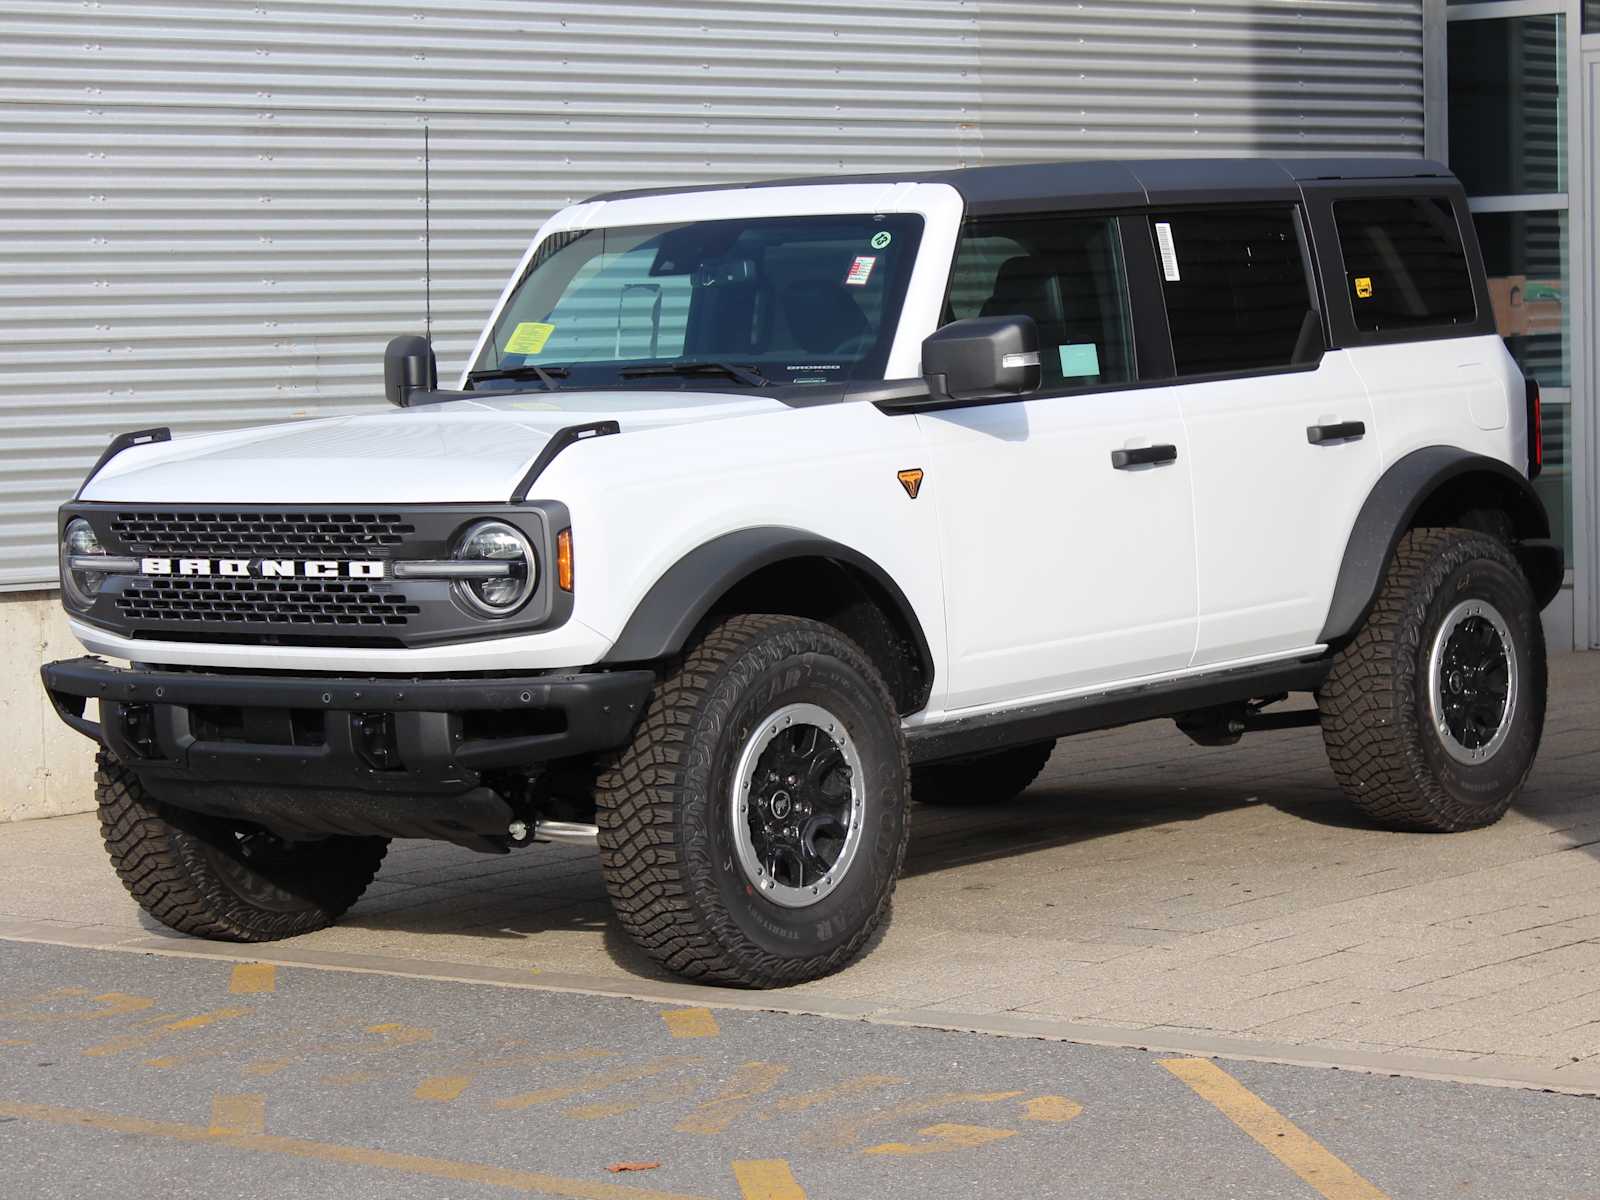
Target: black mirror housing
x,y
409,366
982,358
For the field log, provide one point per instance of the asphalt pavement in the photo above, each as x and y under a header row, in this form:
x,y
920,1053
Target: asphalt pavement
x,y
134,1075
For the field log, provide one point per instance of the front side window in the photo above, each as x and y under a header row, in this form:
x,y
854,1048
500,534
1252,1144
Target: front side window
x,y
1236,290
1064,272
1403,262
811,299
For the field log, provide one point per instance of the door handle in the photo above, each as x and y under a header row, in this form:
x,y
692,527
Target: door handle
x,y
1343,431
1143,456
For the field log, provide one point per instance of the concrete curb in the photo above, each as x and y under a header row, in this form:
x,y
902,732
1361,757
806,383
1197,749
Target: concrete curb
x,y
1491,1071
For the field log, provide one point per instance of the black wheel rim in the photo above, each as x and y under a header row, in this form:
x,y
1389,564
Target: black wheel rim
x,y
797,805
1472,681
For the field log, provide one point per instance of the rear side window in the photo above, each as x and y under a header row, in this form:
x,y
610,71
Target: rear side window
x,y
1236,290
1065,273
1403,262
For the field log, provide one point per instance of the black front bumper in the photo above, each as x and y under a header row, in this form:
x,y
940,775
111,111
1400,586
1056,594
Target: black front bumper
x,y
346,755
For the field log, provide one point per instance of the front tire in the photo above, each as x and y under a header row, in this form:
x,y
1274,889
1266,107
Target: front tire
x,y
1432,715
752,832
225,880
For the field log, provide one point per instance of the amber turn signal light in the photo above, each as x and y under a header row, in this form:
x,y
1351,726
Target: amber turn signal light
x,y
564,559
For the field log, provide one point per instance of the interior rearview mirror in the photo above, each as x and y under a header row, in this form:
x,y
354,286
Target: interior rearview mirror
x,y
408,366
982,358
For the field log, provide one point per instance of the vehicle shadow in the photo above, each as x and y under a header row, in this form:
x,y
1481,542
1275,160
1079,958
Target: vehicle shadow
x,y
1107,789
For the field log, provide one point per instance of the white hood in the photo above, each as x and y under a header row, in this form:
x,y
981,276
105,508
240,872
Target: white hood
x,y
461,451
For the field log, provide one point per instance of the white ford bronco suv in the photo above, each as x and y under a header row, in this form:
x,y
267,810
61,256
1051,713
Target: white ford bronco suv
x,y
762,511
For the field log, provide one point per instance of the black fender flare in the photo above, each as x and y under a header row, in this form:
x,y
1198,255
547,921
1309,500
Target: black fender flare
x,y
1396,499
677,602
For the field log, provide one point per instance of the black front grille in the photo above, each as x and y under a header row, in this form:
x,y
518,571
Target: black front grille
x,y
261,533
305,603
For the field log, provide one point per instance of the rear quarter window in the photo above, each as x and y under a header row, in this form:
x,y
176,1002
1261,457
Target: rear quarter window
x,y
1405,267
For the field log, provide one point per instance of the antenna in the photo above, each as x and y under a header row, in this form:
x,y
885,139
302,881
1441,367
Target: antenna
x,y
427,236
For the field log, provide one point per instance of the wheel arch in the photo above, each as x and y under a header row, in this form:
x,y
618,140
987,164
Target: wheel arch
x,y
774,569
1440,486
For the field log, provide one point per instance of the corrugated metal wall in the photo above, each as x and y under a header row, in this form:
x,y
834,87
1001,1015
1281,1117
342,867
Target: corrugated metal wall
x,y
211,212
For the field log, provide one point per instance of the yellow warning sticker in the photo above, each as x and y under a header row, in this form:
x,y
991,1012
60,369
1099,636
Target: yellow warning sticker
x,y
1364,287
529,337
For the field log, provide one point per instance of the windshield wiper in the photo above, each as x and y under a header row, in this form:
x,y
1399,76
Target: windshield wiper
x,y
748,376
545,375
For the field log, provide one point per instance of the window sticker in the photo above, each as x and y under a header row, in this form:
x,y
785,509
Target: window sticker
x,y
860,271
1364,287
529,337
1079,359
881,239
1169,252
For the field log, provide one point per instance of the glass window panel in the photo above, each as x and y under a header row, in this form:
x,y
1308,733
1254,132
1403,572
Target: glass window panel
x,y
1236,289
1525,256
1591,16
1065,273
1507,117
1404,265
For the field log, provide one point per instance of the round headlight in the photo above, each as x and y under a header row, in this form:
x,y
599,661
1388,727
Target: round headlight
x,y
502,593
80,542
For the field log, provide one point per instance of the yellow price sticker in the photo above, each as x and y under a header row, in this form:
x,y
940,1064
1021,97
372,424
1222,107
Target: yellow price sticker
x,y
529,337
1364,287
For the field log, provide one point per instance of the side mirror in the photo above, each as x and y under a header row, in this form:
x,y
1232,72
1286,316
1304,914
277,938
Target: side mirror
x,y
982,358
408,366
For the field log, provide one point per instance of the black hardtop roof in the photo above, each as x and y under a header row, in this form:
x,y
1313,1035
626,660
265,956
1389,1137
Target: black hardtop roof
x,y
1116,183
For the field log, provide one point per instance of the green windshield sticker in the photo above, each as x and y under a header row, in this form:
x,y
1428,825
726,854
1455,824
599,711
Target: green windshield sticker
x,y
529,337
881,239
1079,359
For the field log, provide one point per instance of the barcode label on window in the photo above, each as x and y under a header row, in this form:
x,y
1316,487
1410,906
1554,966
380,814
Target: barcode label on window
x,y
1169,253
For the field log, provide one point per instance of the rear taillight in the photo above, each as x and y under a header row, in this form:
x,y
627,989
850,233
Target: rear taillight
x,y
1535,431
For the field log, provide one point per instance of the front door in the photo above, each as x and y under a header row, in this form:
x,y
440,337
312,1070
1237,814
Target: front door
x,y
1069,562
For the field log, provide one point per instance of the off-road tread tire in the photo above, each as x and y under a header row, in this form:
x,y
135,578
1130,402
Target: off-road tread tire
x,y
159,854
1369,702
642,789
990,779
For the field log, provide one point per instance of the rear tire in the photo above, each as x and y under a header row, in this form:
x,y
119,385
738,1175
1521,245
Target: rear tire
x,y
752,832
1432,715
988,779
225,880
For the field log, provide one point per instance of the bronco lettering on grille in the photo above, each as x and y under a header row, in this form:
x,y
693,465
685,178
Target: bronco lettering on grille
x,y
265,568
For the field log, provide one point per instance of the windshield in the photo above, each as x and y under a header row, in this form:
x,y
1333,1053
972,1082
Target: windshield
x,y
777,299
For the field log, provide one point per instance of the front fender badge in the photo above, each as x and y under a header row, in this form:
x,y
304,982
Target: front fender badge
x,y
911,480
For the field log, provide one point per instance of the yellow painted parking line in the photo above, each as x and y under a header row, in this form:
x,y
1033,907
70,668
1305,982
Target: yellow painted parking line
x,y
599,1081
1280,1137
112,1004
238,1114
691,1022
854,1086
252,978
135,1041
528,1182
442,1088
1053,1110
943,1138
738,1096
767,1179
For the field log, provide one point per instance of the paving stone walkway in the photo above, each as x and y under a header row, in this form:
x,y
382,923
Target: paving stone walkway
x,y
1144,884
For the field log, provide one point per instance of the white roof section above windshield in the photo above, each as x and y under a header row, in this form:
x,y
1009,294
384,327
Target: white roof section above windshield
x,y
735,202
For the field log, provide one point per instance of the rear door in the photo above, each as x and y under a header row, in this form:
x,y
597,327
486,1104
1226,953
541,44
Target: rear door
x,y
1284,449
1068,562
